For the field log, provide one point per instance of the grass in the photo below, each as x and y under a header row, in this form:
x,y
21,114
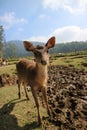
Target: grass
x,y
18,114
76,60
9,69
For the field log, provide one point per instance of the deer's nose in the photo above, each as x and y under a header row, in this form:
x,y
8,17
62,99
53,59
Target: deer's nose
x,y
43,62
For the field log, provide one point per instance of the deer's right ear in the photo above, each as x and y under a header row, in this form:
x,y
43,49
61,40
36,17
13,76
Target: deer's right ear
x,y
50,43
28,46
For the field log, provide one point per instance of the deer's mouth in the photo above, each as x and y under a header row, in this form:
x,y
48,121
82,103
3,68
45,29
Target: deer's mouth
x,y
43,62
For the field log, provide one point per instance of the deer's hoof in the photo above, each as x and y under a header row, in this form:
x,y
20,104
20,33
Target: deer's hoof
x,y
19,95
27,98
39,121
48,111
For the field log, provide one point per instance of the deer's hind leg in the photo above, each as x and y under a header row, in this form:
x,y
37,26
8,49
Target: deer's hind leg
x,y
19,85
25,89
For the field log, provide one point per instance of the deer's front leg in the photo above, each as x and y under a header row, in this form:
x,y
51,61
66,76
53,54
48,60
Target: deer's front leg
x,y
44,92
19,84
37,105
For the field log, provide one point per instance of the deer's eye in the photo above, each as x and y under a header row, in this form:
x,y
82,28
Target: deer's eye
x,y
47,51
37,54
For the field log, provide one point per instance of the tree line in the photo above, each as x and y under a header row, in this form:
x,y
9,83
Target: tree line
x,y
16,48
70,47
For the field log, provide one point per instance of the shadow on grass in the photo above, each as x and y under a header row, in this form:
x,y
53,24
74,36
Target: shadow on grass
x,y
9,121
31,126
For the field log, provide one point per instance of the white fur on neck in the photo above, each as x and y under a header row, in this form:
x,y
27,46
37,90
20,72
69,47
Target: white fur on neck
x,y
42,72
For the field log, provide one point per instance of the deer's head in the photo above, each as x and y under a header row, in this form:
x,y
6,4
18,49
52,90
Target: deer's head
x,y
40,52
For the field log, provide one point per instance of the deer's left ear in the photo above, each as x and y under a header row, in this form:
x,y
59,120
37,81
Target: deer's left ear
x,y
50,43
28,46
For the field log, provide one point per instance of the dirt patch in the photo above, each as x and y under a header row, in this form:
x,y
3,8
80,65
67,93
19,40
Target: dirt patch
x,y
6,79
67,97
84,64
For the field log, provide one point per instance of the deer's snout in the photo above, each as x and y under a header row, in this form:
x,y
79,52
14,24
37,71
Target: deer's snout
x,y
44,62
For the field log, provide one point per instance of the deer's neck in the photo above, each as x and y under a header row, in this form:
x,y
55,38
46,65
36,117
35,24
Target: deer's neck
x,y
41,71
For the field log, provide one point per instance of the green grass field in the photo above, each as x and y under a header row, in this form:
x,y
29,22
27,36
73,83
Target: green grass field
x,y
18,114
78,61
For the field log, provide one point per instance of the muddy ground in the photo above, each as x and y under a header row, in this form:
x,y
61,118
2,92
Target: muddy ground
x,y
67,97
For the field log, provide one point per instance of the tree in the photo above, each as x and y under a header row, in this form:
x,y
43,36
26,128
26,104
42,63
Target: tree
x,y
10,50
2,39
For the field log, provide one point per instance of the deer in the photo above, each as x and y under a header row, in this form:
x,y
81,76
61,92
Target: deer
x,y
35,73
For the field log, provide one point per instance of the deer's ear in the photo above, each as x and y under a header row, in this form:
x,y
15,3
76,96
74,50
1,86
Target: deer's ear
x,y
28,46
50,43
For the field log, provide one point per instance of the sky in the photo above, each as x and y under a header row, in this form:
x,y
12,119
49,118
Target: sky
x,y
38,20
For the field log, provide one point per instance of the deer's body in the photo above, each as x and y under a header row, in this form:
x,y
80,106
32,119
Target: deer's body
x,y
34,73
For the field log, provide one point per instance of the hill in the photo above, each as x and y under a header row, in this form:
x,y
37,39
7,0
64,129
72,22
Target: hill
x,y
15,48
70,47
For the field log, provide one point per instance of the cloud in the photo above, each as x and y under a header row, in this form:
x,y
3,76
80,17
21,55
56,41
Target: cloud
x,y
42,16
38,38
20,29
73,6
70,33
9,19
53,4
64,34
